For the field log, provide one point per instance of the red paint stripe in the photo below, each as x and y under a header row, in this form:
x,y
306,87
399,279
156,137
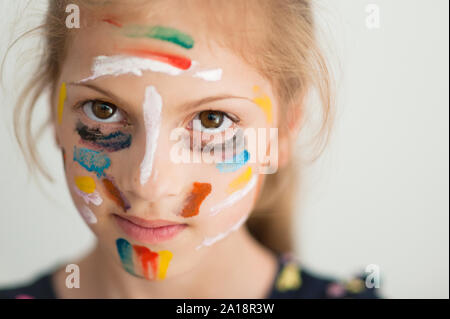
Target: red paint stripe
x,y
113,22
198,194
147,257
174,60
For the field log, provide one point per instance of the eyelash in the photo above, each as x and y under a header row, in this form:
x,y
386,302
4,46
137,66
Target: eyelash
x,y
232,119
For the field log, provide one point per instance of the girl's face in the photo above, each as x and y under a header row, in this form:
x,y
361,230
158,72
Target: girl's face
x,y
141,105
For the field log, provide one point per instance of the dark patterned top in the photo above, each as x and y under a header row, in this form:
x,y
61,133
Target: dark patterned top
x,y
290,282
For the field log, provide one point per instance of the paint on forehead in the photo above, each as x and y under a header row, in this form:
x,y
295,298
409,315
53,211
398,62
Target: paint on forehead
x,y
235,163
113,142
160,33
233,198
123,64
88,216
212,75
240,181
113,193
61,101
264,102
88,198
125,251
113,22
209,241
198,194
170,59
92,161
152,119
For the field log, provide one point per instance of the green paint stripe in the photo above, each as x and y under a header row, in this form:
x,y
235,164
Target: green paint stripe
x,y
161,33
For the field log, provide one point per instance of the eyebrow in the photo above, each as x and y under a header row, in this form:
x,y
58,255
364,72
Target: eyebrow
x,y
184,106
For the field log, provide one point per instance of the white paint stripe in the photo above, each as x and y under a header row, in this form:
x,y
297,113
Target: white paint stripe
x,y
233,198
209,75
208,241
93,198
152,118
121,64
88,215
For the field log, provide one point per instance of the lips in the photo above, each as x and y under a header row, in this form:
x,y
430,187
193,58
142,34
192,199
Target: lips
x,y
149,231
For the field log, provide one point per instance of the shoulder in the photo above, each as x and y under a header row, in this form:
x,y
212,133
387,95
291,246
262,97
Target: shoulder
x,y
295,281
39,288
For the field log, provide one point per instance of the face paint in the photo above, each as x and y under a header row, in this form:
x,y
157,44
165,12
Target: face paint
x,y
235,164
92,161
126,254
122,64
61,100
93,198
115,194
63,151
85,184
112,22
88,215
209,75
235,197
264,103
198,194
240,181
160,33
173,60
208,241
94,137
152,119
159,261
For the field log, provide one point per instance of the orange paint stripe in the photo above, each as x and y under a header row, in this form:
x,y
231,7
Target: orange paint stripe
x,y
198,194
113,22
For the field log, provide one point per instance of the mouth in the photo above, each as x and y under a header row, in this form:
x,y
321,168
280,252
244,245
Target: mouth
x,y
149,231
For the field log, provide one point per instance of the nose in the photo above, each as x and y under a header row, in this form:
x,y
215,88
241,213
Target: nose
x,y
153,175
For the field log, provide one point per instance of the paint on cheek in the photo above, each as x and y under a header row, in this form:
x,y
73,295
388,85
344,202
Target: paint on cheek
x,y
93,198
208,241
235,197
92,161
88,216
85,184
198,194
240,181
160,33
125,251
147,257
152,119
235,164
61,100
264,103
113,192
94,137
64,157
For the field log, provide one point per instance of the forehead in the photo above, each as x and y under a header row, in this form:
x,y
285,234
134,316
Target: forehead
x,y
184,36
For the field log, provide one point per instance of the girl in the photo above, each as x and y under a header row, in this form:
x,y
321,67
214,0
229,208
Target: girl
x,y
176,121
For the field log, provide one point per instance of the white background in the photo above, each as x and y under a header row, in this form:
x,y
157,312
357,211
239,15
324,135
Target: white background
x,y
379,195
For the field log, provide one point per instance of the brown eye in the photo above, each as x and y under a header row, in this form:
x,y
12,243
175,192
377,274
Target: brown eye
x,y
211,119
103,110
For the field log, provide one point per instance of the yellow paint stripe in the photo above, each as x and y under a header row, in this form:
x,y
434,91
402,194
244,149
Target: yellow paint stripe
x,y
164,259
62,99
240,181
85,184
264,103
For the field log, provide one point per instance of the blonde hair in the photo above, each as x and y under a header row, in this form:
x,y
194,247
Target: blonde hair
x,y
286,51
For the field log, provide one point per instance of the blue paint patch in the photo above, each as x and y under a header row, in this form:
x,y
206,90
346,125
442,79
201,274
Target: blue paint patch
x,y
125,251
93,161
236,163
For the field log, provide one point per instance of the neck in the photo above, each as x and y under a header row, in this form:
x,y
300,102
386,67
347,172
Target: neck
x,y
257,268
